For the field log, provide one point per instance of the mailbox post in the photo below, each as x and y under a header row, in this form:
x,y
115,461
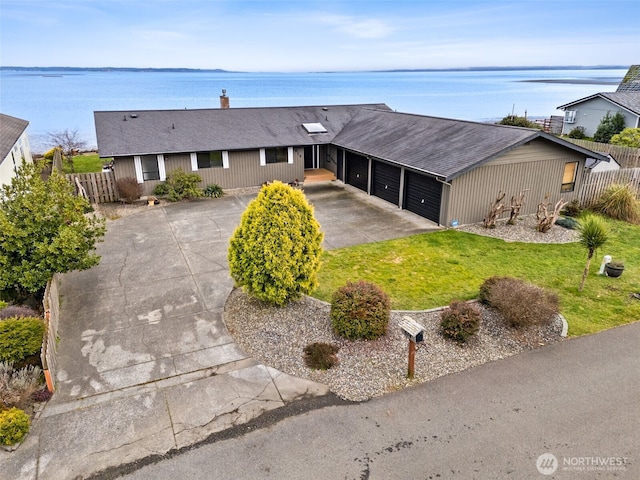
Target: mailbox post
x,y
415,332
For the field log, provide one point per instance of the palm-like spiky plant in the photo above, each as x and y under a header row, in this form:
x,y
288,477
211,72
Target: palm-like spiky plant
x,y
594,233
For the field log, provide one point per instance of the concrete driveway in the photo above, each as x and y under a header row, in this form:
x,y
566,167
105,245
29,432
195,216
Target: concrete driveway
x,y
145,363
152,309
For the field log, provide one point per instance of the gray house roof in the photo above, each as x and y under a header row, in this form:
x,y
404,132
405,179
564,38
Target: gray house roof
x,y
10,130
173,131
628,100
444,148
631,81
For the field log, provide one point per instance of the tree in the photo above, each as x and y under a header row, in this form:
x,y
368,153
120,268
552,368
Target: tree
x,y
43,230
516,121
275,252
608,127
594,233
70,143
629,137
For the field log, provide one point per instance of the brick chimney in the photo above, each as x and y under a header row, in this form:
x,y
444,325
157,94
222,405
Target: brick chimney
x,y
224,100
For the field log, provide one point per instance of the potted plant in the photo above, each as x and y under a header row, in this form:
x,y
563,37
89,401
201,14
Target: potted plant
x,y
614,269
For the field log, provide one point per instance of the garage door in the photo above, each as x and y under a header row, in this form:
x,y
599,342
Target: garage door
x,y
357,170
386,182
422,195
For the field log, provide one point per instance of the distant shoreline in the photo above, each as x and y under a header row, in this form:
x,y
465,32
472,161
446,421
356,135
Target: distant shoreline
x,y
576,81
405,70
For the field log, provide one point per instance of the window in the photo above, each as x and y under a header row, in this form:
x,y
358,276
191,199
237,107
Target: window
x,y
209,159
276,155
569,177
570,116
150,168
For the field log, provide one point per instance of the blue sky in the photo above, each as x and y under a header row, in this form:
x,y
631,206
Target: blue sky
x,y
318,35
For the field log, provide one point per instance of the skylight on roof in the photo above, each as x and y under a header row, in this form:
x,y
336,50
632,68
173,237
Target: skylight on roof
x,y
312,128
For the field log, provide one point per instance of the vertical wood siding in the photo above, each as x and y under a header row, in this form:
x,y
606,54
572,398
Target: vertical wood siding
x,y
538,167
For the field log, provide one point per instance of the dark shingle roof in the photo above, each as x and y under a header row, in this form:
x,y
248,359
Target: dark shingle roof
x,y
173,131
10,130
631,81
441,147
627,100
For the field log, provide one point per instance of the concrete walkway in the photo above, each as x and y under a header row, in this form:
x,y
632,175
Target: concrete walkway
x,y
146,364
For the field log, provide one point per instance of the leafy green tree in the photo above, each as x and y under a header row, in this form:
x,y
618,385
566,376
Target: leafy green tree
x,y
275,252
629,137
608,127
594,233
43,230
516,121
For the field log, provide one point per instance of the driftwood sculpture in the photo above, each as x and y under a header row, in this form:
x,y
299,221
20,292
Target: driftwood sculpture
x,y
496,209
545,218
516,206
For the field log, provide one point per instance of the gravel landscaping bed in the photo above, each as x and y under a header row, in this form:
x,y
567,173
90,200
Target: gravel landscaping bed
x,y
276,336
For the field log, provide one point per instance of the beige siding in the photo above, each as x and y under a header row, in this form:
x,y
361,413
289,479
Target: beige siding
x,y
244,170
537,167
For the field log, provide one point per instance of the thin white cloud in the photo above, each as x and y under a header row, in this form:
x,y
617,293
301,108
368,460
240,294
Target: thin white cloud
x,y
368,28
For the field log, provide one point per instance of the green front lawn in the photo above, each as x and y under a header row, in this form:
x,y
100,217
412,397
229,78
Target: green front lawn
x,y
86,164
432,269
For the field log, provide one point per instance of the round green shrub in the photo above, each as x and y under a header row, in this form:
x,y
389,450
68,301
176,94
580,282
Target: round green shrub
x,y
320,355
360,310
161,190
20,338
619,201
577,133
14,425
460,321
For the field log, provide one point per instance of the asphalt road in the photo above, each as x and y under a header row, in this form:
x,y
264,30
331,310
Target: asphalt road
x,y
578,400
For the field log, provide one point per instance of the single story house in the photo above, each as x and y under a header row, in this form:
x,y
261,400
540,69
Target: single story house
x,y
448,171
14,146
588,112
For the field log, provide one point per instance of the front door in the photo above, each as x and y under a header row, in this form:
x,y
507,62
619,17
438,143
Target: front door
x,y
309,157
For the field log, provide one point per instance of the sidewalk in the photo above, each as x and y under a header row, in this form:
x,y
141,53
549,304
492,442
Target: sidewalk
x,y
146,363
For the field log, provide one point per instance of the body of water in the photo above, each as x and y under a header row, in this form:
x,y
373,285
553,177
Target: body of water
x,y
55,101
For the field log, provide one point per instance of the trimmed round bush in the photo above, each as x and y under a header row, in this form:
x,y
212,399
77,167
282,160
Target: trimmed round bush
x,y
520,303
320,355
460,321
20,338
360,310
14,425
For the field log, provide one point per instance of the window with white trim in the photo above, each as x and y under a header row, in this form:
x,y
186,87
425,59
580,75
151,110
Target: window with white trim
x,y
570,116
209,159
150,167
276,155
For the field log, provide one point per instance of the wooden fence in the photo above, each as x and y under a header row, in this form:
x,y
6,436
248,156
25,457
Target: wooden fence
x,y
627,157
596,182
51,303
97,187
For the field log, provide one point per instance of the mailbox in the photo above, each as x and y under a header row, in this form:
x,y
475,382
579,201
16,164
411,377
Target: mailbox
x,y
412,329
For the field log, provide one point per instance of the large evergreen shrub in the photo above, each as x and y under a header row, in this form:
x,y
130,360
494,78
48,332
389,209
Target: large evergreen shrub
x,y
609,126
275,252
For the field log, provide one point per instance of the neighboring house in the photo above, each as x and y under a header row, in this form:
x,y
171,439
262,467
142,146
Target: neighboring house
x,y
448,171
14,146
588,112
